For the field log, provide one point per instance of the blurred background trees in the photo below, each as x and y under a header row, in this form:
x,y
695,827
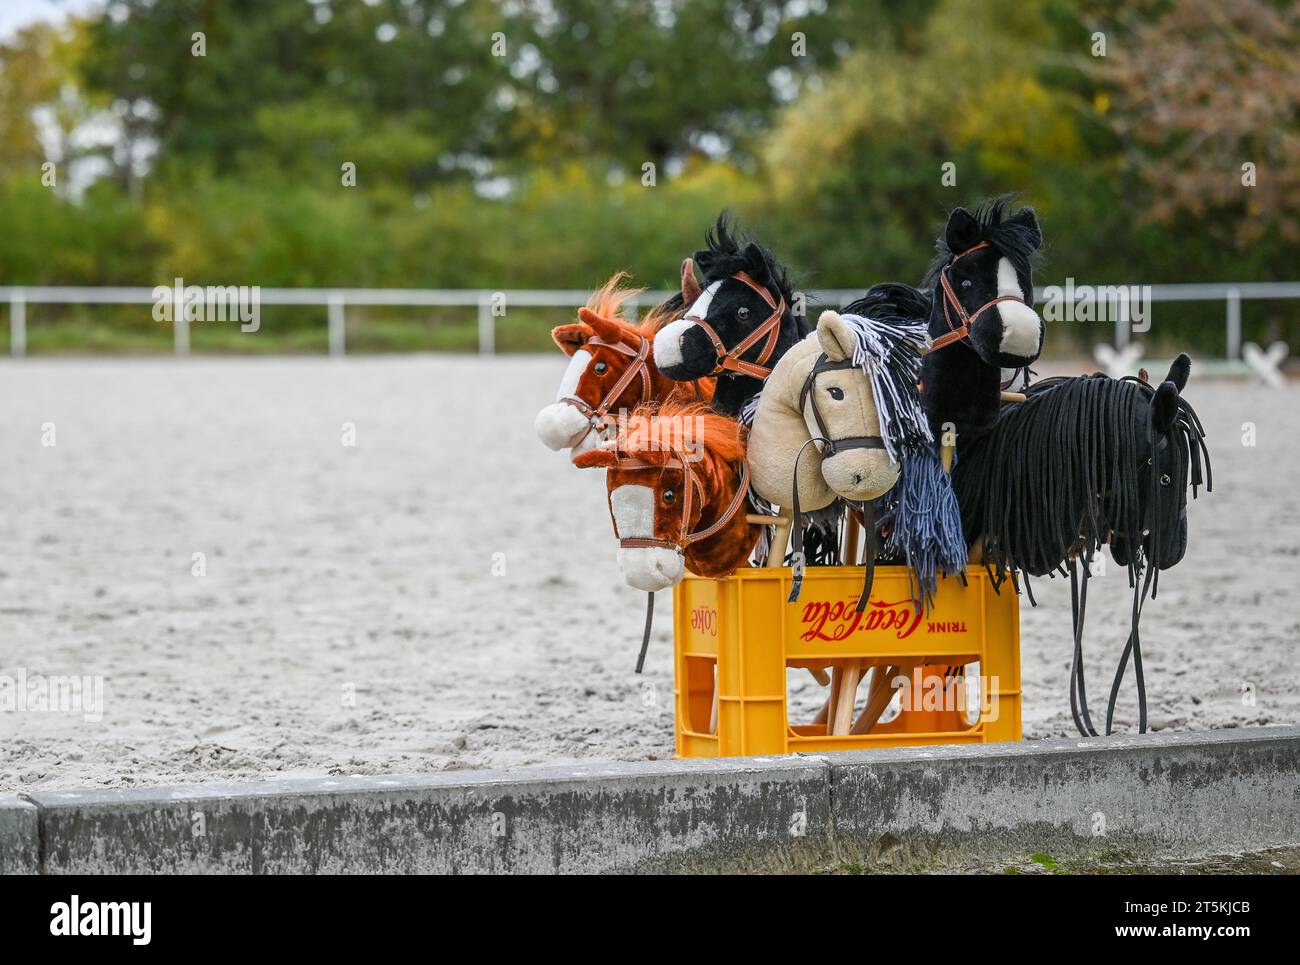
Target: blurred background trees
x,y
505,144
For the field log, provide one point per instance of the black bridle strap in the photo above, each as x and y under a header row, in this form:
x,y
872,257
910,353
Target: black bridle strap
x,y
649,622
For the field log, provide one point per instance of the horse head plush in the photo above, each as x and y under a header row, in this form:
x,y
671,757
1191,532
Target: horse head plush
x,y
677,483
736,325
820,391
978,311
1082,462
612,369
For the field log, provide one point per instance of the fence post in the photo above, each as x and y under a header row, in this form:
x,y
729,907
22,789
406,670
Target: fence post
x,y
1233,303
338,325
181,330
17,324
487,342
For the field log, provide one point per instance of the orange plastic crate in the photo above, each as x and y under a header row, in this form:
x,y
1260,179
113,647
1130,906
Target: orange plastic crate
x,y
741,631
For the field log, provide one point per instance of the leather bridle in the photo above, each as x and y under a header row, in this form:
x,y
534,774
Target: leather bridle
x,y
639,367
692,489
730,360
961,333
830,445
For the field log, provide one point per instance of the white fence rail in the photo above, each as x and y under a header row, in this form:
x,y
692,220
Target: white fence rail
x,y
489,303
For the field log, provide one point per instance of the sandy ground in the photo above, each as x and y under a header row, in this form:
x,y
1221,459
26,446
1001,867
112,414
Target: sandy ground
x,y
354,616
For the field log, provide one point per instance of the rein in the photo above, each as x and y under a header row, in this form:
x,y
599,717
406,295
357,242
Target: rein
x,y
961,333
691,486
831,447
730,361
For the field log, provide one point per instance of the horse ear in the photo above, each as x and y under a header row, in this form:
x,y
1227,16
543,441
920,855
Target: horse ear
x,y
837,337
1028,219
595,459
570,338
607,328
1179,371
756,264
1164,408
963,231
690,287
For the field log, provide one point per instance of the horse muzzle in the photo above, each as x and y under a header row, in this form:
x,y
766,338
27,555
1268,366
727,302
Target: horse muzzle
x,y
683,352
563,426
860,475
651,568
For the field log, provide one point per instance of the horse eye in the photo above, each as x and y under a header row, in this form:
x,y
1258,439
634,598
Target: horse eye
x,y
742,313
600,368
967,283
670,497
836,393
1164,479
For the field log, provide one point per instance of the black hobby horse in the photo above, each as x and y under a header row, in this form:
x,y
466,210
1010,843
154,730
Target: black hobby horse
x,y
739,323
1082,462
976,299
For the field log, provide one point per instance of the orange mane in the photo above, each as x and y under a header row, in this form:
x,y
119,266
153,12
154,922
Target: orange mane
x,y
608,299
722,437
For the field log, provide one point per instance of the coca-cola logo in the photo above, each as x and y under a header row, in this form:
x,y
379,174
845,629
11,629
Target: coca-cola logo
x,y
840,619
705,620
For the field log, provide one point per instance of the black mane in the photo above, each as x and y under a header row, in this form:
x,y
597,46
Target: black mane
x,y
892,300
1058,473
730,249
1014,240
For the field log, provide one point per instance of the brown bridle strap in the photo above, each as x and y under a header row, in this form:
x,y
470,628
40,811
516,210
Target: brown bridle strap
x,y
693,488
638,366
730,361
958,333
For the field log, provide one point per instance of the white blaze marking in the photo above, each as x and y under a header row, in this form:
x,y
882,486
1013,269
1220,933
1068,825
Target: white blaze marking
x,y
573,374
634,511
668,341
1021,326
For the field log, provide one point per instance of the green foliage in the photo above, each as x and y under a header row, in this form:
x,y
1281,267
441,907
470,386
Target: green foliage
x,y
825,126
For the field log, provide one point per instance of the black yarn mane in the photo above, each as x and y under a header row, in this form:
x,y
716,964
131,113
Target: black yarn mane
x,y
1060,472
1014,240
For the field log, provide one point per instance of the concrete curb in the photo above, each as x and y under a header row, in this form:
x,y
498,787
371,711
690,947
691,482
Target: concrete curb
x,y
19,837
1156,796
1175,795
615,817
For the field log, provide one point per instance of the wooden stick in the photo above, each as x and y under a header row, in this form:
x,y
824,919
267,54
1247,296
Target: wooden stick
x,y
824,713
1014,397
946,452
820,675
713,714
837,676
781,538
848,691
882,693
